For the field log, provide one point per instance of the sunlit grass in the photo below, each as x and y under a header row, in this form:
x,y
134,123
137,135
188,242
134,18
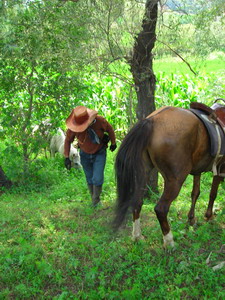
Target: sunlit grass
x,y
170,65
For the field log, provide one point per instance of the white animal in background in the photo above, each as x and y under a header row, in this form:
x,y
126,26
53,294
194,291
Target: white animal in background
x,y
57,145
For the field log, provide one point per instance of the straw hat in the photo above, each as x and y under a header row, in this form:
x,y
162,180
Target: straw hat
x,y
80,118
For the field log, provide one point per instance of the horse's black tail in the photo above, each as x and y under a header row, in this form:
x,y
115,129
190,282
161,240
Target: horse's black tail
x,y
130,169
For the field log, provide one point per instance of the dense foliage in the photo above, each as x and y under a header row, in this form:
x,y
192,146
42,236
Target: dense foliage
x,y
59,54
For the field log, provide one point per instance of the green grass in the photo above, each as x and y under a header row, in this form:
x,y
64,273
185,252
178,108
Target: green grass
x,y
170,65
54,245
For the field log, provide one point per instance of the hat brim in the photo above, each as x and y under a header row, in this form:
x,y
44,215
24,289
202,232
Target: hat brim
x,y
72,125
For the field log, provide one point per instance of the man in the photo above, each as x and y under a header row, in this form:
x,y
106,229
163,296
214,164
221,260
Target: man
x,y
89,128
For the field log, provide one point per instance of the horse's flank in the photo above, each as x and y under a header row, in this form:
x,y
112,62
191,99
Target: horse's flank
x,y
177,137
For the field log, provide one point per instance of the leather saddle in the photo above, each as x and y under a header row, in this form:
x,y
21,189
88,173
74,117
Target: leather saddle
x,y
214,120
216,111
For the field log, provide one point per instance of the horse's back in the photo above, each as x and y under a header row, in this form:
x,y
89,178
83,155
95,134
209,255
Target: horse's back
x,y
179,141
173,118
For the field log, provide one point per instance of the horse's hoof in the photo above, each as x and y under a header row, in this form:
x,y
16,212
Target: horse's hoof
x,y
169,248
138,238
169,245
168,240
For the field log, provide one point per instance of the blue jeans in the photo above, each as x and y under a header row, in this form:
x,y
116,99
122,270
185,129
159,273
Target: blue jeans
x,y
94,165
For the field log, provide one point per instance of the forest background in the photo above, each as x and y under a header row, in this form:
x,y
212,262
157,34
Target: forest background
x,y
58,54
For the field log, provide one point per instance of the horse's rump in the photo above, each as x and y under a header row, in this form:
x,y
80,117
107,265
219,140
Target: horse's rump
x,y
179,142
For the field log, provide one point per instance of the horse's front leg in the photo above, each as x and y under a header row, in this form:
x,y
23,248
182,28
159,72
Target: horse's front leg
x,y
194,196
136,233
212,197
171,191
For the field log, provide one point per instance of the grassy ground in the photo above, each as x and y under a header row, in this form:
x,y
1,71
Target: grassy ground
x,y
213,64
53,245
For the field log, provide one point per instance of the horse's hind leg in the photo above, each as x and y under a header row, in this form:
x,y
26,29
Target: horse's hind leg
x,y
212,197
171,191
194,196
136,233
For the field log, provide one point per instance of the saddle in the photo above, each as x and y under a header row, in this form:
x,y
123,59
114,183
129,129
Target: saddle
x,y
214,120
216,112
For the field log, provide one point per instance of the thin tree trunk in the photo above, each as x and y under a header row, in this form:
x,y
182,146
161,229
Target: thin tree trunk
x,y
141,68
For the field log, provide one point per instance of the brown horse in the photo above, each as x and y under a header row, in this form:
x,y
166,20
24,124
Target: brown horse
x,y
175,142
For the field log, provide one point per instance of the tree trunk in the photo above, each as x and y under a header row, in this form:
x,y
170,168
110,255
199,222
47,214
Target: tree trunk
x,y
141,62
4,182
141,68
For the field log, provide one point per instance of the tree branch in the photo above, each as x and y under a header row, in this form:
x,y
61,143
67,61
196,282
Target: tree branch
x,y
189,66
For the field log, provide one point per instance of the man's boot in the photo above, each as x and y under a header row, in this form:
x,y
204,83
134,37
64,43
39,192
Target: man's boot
x,y
96,195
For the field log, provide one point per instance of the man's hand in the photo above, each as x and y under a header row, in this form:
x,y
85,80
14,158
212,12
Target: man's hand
x,y
67,163
113,147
